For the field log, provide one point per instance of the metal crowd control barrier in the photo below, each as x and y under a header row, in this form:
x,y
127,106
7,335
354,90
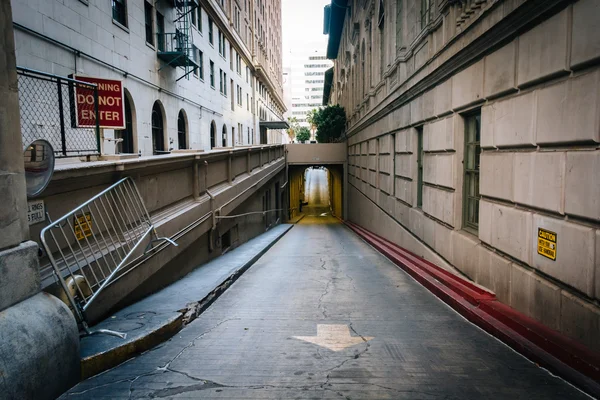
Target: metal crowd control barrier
x,y
88,246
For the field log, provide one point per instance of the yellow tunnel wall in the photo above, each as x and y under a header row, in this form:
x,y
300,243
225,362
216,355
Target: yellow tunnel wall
x,y
335,178
296,183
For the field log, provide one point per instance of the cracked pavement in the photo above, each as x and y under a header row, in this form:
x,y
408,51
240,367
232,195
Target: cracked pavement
x,y
242,346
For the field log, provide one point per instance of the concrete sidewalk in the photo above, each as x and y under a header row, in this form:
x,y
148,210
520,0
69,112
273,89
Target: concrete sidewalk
x,y
159,316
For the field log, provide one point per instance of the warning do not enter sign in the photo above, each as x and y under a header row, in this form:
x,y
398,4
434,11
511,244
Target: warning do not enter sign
x,y
111,109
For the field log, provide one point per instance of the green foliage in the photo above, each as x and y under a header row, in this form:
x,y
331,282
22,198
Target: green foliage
x,y
330,123
310,116
303,134
294,126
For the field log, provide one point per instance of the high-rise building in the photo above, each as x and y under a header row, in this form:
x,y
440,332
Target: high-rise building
x,y
197,74
307,68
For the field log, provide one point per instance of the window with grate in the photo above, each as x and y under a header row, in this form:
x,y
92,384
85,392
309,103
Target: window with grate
x,y
148,13
420,167
119,11
471,172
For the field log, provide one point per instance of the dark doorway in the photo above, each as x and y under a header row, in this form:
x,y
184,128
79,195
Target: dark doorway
x,y
213,135
158,140
126,146
181,130
263,135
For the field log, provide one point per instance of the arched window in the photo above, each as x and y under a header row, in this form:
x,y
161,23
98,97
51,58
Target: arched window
x,y
182,130
158,129
213,135
224,136
126,146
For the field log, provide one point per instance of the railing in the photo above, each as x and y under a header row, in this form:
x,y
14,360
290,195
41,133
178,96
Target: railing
x,y
88,246
47,111
172,42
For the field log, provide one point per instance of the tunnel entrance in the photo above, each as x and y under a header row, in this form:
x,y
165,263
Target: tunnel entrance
x,y
315,193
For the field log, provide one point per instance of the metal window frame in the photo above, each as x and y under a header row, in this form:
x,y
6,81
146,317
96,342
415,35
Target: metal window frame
x,y
471,175
419,166
125,21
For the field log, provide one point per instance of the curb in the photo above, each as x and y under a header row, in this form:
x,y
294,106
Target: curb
x,y
554,351
97,363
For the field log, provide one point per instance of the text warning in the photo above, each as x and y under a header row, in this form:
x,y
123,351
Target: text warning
x,y
546,244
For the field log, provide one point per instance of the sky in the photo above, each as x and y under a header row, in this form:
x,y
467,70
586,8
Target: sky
x,y
303,24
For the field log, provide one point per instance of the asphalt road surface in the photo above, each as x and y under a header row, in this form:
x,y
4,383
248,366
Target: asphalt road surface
x,y
324,316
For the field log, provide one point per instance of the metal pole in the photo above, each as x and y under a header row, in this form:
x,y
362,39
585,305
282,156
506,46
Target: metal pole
x,y
61,115
96,111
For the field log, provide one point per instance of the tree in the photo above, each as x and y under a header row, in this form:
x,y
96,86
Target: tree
x,y
310,117
330,123
302,134
294,126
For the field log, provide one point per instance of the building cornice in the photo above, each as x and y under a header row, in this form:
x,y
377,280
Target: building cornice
x,y
519,21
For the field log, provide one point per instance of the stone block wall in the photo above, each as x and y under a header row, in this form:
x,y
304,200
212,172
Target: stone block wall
x,y
538,96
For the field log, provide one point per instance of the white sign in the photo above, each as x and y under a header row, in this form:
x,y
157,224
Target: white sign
x,y
36,211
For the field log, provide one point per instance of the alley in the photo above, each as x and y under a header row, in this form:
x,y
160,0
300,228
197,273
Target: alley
x,y
317,196
323,315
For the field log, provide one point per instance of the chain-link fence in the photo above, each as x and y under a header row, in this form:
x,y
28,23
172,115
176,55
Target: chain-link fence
x,y
49,110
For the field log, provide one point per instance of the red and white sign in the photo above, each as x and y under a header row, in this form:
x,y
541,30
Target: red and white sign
x,y
111,108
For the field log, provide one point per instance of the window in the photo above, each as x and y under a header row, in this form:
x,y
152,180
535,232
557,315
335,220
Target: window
x,y
158,140
424,13
148,13
238,64
119,11
181,130
225,84
210,32
247,102
199,12
232,96
200,65
194,16
160,31
236,20
471,174
420,167
221,40
212,74
247,74
398,24
221,83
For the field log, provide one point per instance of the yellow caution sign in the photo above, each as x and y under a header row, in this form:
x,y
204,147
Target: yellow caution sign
x,y
82,226
546,244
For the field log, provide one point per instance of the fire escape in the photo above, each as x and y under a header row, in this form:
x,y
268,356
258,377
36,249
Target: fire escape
x,y
176,48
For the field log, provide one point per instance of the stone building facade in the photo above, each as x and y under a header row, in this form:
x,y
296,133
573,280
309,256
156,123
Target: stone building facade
x,y
474,140
230,83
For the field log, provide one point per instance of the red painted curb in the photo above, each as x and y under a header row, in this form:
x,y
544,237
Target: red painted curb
x,y
551,349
